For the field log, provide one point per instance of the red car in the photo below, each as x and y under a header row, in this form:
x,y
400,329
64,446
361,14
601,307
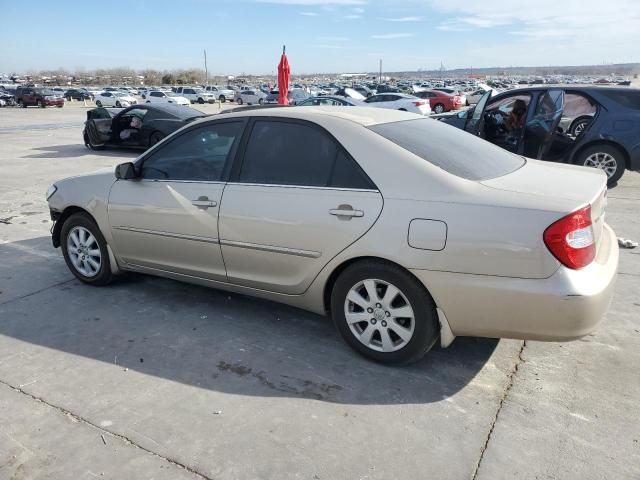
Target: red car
x,y
440,101
42,97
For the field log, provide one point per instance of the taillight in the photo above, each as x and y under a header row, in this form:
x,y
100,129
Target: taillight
x,y
419,104
571,239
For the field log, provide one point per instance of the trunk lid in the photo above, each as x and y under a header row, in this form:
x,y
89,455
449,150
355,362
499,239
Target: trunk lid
x,y
558,183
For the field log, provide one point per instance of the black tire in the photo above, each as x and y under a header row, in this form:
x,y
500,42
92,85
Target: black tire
x,y
439,108
69,99
260,101
426,326
41,104
60,106
22,104
239,101
118,104
200,100
584,158
579,124
222,98
98,103
84,220
155,138
402,109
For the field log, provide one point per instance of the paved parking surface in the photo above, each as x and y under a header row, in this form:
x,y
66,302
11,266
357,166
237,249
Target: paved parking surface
x,y
152,379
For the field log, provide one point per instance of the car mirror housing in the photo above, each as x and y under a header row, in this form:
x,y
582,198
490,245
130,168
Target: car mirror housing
x,y
126,171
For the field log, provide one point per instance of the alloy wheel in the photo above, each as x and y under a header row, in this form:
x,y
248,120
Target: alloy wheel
x,y
84,251
379,315
579,128
603,161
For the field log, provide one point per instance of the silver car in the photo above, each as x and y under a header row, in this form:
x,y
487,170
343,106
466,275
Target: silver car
x,y
250,97
404,230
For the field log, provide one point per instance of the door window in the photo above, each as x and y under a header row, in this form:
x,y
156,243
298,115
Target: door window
x,y
199,155
283,153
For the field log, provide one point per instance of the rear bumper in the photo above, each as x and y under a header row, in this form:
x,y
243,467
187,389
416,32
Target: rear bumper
x,y
565,306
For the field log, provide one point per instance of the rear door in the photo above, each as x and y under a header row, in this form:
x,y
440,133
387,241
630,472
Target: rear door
x,y
168,218
540,128
295,200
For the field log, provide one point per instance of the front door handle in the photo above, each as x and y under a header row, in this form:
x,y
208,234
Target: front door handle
x,y
346,212
204,203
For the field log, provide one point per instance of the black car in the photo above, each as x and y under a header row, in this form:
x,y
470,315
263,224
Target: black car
x,y
138,126
331,100
77,94
592,126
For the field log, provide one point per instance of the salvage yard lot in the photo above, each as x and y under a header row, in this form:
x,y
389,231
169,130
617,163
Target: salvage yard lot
x,y
150,378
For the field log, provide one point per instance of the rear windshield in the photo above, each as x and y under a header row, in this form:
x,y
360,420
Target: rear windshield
x,y
449,148
629,99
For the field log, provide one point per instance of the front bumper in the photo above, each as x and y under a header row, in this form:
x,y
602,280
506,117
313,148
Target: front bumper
x,y
565,306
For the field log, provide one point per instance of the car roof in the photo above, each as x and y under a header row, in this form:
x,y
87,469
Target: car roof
x,y
584,88
364,116
179,111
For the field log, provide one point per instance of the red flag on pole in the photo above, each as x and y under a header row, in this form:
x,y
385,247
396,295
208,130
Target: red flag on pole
x,y
283,79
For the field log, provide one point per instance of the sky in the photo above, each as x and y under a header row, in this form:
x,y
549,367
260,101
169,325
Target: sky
x,y
246,36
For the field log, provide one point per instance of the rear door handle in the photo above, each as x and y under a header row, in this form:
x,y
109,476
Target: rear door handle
x,y
346,212
204,203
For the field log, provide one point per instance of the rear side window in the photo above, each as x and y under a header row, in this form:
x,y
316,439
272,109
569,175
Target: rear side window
x,y
628,99
283,153
449,148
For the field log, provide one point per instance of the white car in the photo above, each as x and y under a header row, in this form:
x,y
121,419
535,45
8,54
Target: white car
x,y
221,93
158,96
114,99
196,94
475,96
400,101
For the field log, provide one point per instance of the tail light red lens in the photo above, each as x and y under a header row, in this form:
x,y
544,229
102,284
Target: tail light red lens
x,y
571,239
419,104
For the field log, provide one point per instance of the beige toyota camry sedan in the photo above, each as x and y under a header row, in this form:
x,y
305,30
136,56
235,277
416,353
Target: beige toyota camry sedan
x,y
405,231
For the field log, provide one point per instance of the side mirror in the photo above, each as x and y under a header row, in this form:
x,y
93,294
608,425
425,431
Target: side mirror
x,y
126,171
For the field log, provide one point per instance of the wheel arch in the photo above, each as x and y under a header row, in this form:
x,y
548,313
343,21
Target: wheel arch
x,y
66,213
331,279
611,143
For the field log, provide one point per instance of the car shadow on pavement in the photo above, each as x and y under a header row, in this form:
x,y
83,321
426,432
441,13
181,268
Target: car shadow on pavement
x,y
213,339
79,150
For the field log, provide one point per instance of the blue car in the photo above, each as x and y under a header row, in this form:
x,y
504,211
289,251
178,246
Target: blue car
x,y
584,125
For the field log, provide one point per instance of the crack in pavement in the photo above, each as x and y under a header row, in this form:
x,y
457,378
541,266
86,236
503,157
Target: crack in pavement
x,y
124,438
503,397
26,295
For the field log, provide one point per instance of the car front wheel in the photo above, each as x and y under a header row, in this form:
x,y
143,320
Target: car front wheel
x,y
384,313
222,99
439,108
85,250
98,103
239,101
607,158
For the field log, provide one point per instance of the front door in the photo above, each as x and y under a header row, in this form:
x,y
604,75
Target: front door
x,y
475,122
168,218
293,203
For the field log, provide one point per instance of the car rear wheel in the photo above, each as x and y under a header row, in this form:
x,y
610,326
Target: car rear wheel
x,y
98,103
607,158
439,108
118,104
260,101
239,101
384,313
222,98
85,250
201,100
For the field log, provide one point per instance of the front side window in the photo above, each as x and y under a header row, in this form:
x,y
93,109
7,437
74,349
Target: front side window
x,y
198,155
283,153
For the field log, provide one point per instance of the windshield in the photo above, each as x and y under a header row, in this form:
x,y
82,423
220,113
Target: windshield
x,y
472,158
171,94
46,91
